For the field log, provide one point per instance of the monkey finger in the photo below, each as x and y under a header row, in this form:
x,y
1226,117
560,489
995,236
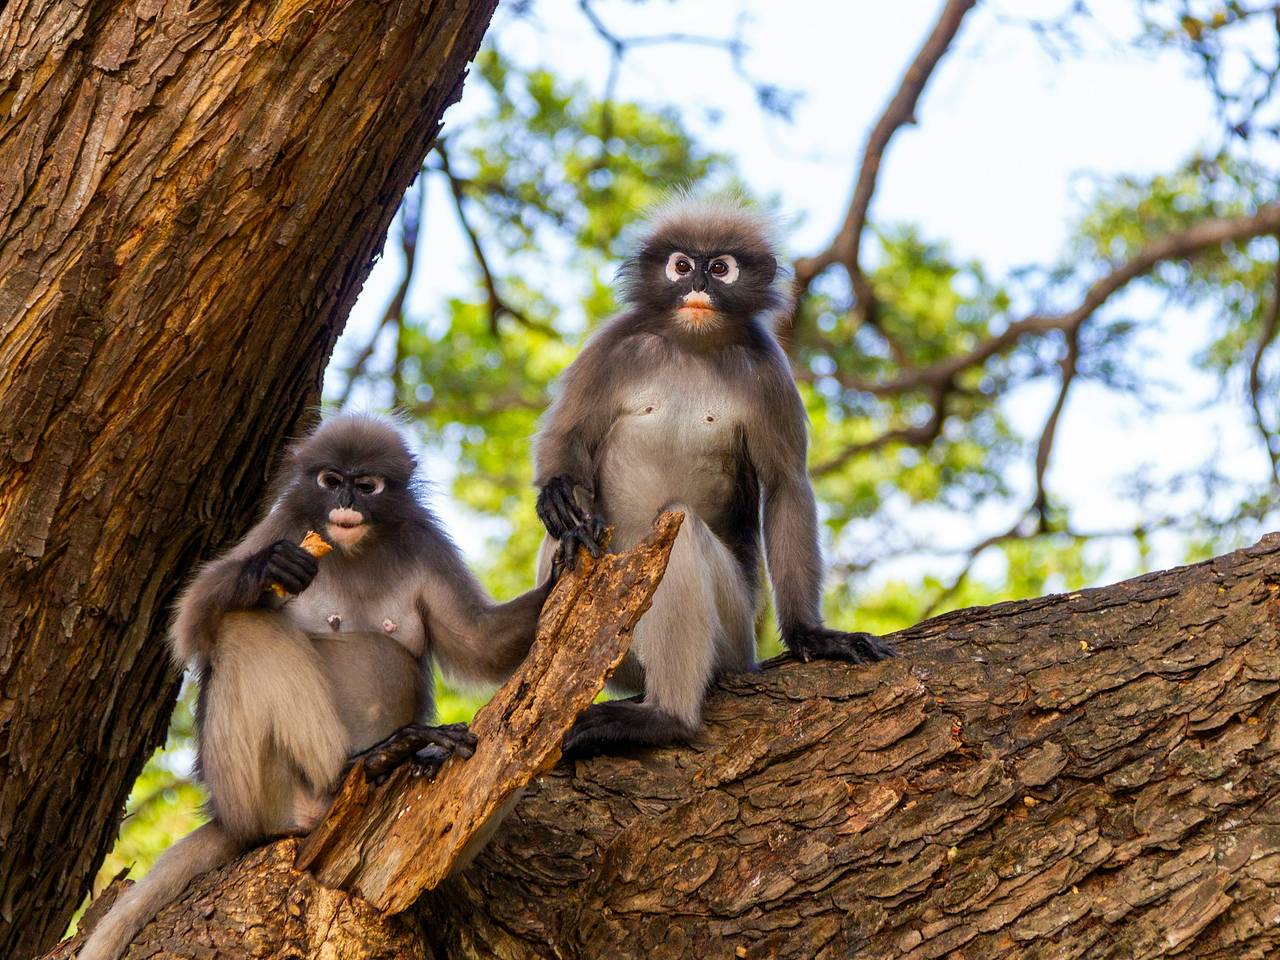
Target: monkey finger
x,y
289,582
289,552
567,553
288,574
548,517
566,513
590,535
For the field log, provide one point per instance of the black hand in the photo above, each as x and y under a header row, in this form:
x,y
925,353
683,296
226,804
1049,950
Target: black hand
x,y
822,643
290,566
557,508
587,534
284,563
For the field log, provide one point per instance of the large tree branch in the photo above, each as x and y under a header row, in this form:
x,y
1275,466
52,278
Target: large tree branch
x,y
1092,774
191,198
942,377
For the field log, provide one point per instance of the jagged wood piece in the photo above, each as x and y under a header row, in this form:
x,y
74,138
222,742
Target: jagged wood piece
x,y
390,843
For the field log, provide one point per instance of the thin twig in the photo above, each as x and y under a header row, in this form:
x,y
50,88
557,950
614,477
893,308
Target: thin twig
x,y
410,219
498,307
901,110
1269,329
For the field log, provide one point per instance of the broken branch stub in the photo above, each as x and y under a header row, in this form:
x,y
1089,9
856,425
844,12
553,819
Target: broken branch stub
x,y
390,843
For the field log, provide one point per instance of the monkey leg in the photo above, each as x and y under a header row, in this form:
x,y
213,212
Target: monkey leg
x,y
272,742
700,624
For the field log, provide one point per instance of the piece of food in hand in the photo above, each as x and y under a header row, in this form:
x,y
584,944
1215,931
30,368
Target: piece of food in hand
x,y
315,545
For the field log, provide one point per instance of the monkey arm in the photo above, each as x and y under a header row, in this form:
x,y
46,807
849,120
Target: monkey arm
x,y
238,581
572,431
778,448
475,639
795,569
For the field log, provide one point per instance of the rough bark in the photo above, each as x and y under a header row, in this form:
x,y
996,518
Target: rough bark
x,y
1087,775
1090,775
191,198
390,844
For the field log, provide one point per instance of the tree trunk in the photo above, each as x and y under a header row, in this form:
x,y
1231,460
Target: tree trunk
x,y
1089,775
191,198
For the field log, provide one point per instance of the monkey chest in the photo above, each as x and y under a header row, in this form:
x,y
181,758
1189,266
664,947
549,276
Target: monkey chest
x,y
326,612
664,423
670,445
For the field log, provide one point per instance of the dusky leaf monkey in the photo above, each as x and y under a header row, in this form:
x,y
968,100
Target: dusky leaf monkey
x,y
291,689
686,402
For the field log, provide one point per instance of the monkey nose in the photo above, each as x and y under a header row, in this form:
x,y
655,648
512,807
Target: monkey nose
x,y
697,299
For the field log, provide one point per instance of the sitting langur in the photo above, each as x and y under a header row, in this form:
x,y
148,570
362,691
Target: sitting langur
x,y
686,402
292,686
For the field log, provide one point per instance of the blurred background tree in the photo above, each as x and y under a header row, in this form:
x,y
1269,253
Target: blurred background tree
x,y
940,386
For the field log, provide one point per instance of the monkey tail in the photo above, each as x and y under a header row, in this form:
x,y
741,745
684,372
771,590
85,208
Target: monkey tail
x,y
203,849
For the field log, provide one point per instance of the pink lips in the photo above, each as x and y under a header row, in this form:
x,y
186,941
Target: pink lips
x,y
346,526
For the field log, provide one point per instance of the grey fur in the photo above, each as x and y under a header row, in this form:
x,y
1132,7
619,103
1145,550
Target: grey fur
x,y
288,693
657,414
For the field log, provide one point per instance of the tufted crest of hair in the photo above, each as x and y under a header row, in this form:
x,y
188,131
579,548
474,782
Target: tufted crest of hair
x,y
721,223
356,442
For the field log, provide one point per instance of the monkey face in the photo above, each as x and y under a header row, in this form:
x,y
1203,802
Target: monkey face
x,y
351,480
350,499
704,267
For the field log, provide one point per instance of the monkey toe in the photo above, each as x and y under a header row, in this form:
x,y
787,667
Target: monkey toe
x,y
428,761
619,725
821,643
383,757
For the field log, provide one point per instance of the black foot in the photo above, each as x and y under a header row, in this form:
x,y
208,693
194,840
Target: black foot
x,y
822,643
606,727
588,534
426,745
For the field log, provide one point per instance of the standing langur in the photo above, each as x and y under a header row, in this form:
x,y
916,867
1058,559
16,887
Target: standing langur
x,y
337,662
686,402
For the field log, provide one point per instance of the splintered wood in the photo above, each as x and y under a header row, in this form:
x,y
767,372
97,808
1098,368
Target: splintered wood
x,y
390,843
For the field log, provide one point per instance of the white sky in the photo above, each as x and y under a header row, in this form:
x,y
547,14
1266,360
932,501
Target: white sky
x,y
992,169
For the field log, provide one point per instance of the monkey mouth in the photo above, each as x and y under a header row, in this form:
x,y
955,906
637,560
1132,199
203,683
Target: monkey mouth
x,y
346,527
695,311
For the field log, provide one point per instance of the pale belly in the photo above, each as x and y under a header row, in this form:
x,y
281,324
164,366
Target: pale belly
x,y
320,610
669,446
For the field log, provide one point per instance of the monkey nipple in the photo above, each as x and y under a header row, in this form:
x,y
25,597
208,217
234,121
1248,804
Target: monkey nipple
x,y
334,621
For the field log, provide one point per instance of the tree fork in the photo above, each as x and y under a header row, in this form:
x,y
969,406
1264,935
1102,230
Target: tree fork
x,y
191,199
1085,775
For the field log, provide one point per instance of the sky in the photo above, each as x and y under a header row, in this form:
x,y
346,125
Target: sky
x,y
997,168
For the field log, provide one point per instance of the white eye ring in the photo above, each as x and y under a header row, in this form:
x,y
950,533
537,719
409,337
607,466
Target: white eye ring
x,y
731,268
324,478
674,275
370,485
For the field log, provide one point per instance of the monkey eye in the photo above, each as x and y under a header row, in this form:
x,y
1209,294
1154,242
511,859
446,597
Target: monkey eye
x,y
370,485
329,479
724,268
679,265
